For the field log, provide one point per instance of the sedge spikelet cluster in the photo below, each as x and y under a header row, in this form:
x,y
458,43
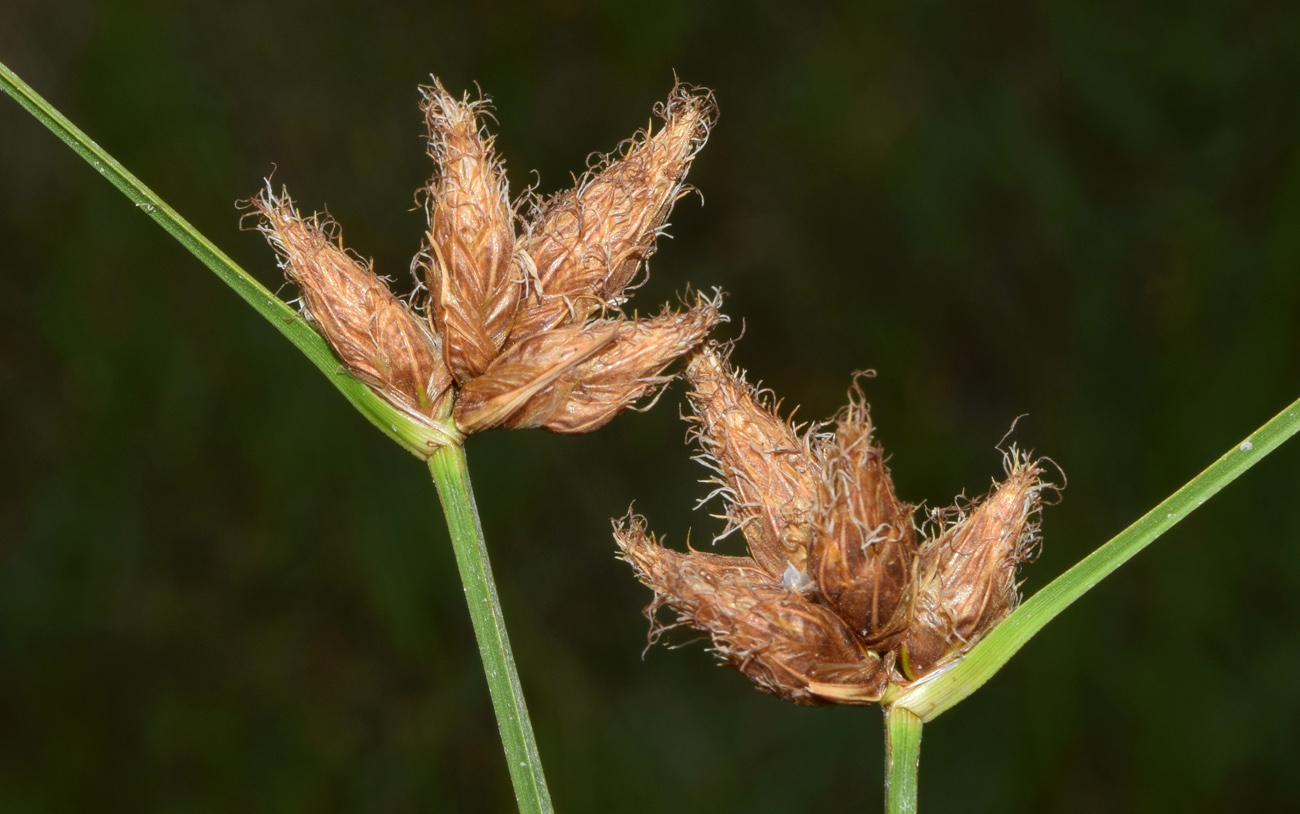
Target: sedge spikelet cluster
x,y
838,599
516,321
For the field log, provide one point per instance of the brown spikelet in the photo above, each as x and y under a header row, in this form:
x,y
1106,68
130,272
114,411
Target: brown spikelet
x,y
574,379
967,573
866,542
585,245
474,286
375,335
767,472
785,644
630,367
526,385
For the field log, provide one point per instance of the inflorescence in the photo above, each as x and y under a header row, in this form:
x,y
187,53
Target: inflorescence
x,y
516,320
837,599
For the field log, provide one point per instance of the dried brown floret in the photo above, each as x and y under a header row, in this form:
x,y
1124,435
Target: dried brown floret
x,y
866,541
630,367
767,471
967,581
585,245
474,284
375,335
788,646
528,383
574,379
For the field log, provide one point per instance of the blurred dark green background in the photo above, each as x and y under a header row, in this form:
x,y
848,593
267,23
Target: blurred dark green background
x,y
222,590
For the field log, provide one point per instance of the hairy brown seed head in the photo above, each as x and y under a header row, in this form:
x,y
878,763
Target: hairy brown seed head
x,y
574,379
631,366
525,386
967,580
554,364
865,541
767,472
375,335
585,245
836,600
783,643
474,285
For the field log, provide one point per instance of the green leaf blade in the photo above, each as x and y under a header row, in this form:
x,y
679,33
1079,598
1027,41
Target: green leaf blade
x,y
420,440
942,690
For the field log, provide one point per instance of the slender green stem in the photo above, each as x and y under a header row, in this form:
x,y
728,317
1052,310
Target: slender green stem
x,y
451,475
902,759
439,441
417,437
936,694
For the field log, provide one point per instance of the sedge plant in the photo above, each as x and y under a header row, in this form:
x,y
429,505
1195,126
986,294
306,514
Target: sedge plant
x,y
514,323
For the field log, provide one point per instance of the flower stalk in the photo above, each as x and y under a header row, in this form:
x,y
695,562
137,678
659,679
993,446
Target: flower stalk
x,y
902,759
451,474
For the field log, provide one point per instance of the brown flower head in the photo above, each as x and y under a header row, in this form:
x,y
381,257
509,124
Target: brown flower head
x,y
766,470
581,249
836,587
373,332
585,245
474,284
522,328
787,645
866,541
967,581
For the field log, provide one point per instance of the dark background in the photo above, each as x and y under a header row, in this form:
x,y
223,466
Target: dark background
x,y
222,590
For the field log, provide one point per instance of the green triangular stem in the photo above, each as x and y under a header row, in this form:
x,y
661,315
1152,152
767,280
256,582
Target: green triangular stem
x,y
439,445
902,760
451,474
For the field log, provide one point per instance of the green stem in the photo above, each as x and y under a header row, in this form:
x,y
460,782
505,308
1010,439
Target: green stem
x,y
451,475
936,694
416,437
902,759
424,440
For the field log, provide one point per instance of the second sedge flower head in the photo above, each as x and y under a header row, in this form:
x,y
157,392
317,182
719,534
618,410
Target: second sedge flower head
x,y
837,599
521,326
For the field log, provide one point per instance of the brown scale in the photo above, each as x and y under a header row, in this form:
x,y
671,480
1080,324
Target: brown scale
x,y
585,245
768,470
